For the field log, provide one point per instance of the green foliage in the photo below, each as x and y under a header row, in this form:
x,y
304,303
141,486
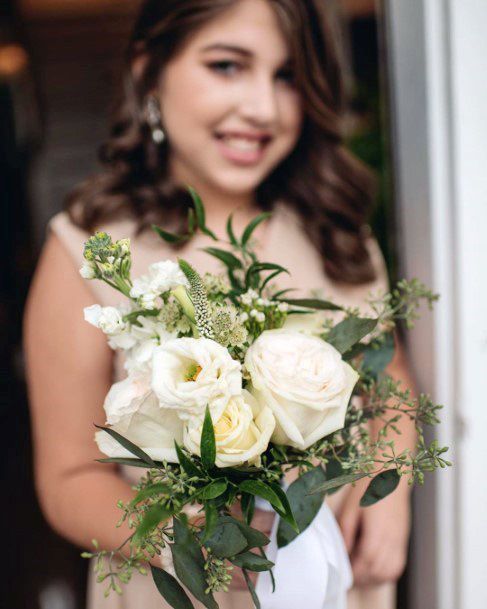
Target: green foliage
x,y
379,487
351,330
170,589
128,445
208,443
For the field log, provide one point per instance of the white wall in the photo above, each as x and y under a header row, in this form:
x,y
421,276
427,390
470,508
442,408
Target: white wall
x,y
438,60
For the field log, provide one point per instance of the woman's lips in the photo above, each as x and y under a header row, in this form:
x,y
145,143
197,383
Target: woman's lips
x,y
242,149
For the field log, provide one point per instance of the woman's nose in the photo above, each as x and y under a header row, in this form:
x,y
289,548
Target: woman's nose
x,y
259,102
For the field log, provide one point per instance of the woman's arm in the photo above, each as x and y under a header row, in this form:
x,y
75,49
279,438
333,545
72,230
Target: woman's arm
x,y
377,536
69,369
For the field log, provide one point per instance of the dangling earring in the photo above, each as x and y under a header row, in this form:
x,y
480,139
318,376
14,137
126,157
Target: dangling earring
x,y
153,118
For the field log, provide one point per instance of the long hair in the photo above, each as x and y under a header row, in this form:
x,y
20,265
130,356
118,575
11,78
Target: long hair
x,y
331,190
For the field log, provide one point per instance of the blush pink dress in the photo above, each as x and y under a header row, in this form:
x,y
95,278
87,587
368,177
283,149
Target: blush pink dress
x,y
285,243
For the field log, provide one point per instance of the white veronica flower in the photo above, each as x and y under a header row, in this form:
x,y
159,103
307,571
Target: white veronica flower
x,y
242,433
190,373
304,381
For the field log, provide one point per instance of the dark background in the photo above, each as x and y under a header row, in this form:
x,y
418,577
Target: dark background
x,y
58,69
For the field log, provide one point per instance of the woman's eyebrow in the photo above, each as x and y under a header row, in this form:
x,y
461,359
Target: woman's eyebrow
x,y
221,46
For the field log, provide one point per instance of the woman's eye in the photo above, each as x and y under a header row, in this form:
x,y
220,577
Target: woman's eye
x,y
228,68
286,75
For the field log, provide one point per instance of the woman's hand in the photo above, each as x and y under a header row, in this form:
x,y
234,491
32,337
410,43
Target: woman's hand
x,y
377,536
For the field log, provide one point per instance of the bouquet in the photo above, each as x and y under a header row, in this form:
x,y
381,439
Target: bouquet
x,y
232,384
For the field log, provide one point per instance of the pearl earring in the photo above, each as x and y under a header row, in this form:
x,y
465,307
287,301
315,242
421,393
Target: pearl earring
x,y
153,118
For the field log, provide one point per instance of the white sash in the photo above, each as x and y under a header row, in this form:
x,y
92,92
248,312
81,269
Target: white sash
x,y
312,572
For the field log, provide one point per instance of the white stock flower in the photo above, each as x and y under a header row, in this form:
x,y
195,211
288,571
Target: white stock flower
x,y
108,319
189,373
150,427
163,276
242,433
304,381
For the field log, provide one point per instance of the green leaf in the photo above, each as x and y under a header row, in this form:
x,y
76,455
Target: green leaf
x,y
189,563
304,506
168,237
255,538
208,443
287,515
214,489
199,209
253,224
252,562
349,331
128,445
257,267
226,540
151,491
251,588
380,486
170,589
376,360
336,482
186,463
127,461
230,233
229,259
261,489
191,221
312,303
333,470
248,507
211,519
152,518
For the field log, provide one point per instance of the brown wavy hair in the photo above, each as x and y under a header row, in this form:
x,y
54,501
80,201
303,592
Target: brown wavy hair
x,y
331,190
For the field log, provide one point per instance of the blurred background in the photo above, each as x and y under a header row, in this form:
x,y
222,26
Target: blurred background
x,y
59,62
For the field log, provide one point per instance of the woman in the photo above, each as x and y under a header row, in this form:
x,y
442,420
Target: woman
x,y
242,99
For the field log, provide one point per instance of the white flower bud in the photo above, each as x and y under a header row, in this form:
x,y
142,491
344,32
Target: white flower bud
x,y
87,271
260,317
254,313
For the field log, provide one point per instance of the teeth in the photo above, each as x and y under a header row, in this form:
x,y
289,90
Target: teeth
x,y
242,144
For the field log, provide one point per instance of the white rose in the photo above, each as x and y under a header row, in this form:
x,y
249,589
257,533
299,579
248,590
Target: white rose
x,y
189,373
242,433
133,410
304,381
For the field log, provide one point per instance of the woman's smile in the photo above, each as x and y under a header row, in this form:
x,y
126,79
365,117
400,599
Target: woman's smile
x,y
242,148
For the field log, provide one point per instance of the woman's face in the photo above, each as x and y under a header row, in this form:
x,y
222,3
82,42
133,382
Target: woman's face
x,y
229,108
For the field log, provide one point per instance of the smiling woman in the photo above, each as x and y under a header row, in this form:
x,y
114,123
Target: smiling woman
x,y
250,95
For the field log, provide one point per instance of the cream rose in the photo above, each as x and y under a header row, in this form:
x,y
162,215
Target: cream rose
x,y
150,427
304,381
242,432
189,373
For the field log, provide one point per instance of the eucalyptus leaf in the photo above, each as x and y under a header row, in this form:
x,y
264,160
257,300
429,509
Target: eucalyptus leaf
x,y
261,489
336,483
208,443
189,564
380,486
349,331
252,562
377,359
253,224
304,505
170,589
128,445
255,538
226,540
